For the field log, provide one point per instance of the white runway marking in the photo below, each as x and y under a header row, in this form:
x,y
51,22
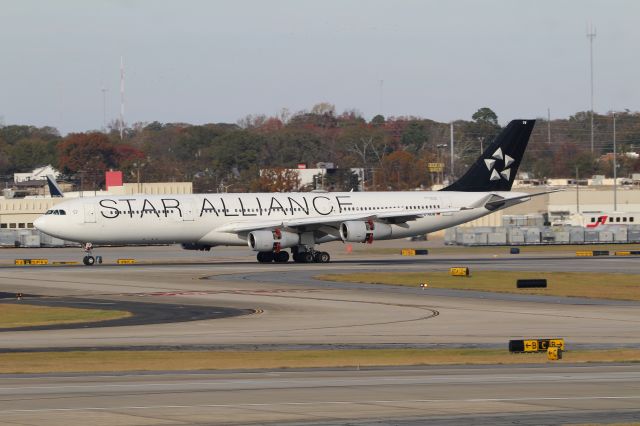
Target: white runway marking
x,y
365,381
284,404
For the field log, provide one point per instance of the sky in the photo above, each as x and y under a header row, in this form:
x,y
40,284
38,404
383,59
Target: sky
x,y
219,61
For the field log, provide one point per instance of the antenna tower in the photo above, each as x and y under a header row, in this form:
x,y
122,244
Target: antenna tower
x,y
591,34
121,97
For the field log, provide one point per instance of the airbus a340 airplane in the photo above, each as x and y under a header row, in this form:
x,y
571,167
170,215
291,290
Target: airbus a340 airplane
x,y
271,223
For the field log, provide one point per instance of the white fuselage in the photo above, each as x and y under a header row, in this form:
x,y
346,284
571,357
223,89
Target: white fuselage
x,y
205,219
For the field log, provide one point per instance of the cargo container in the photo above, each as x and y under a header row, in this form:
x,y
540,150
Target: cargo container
x,y
605,236
497,238
633,236
532,236
562,237
576,235
49,241
467,239
591,236
481,239
620,234
29,240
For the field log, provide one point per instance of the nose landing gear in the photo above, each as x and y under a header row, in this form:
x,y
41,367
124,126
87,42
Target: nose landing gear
x,y
89,259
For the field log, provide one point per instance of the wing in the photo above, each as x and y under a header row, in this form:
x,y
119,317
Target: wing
x,y
397,216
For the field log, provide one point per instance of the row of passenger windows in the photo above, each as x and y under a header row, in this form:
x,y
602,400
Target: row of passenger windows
x,y
15,225
56,212
345,209
615,219
144,211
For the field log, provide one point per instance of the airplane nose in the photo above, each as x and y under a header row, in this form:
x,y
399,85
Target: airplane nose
x,y
39,223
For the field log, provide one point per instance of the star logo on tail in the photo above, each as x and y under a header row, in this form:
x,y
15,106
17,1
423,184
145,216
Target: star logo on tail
x,y
496,174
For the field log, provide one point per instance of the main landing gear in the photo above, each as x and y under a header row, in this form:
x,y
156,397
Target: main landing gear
x,y
89,259
271,256
308,256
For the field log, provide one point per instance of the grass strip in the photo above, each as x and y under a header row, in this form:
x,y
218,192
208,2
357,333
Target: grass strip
x,y
573,284
18,315
104,361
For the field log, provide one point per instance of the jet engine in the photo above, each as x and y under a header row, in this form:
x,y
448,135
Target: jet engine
x,y
196,246
272,240
363,231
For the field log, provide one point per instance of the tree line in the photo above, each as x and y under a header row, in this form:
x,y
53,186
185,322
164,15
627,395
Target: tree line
x,y
393,151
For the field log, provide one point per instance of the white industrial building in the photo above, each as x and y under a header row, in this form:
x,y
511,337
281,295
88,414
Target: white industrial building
x,y
39,173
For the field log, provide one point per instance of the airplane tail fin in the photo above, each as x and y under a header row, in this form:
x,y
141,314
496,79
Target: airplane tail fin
x,y
54,188
496,169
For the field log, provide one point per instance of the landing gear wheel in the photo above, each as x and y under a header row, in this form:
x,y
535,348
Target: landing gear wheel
x,y
322,257
265,257
89,260
307,257
281,257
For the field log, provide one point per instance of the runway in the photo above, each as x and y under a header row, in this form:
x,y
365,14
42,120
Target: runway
x,y
294,310
399,396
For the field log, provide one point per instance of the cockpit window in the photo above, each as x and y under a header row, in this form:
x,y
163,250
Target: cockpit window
x,y
62,212
56,212
49,212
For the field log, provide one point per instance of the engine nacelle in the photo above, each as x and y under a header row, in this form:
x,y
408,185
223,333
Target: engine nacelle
x,y
363,231
272,240
196,246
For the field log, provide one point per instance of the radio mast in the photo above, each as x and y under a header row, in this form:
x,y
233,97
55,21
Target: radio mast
x,y
121,97
591,34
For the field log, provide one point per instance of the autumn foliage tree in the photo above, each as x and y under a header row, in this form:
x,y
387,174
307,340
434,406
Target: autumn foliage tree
x,y
393,151
87,154
401,170
277,179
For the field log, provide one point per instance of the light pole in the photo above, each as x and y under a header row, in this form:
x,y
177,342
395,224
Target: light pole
x,y
577,191
104,109
615,167
440,147
451,171
591,34
138,166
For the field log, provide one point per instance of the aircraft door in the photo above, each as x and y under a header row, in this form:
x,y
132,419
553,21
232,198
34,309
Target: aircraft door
x,y
89,213
187,211
445,203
